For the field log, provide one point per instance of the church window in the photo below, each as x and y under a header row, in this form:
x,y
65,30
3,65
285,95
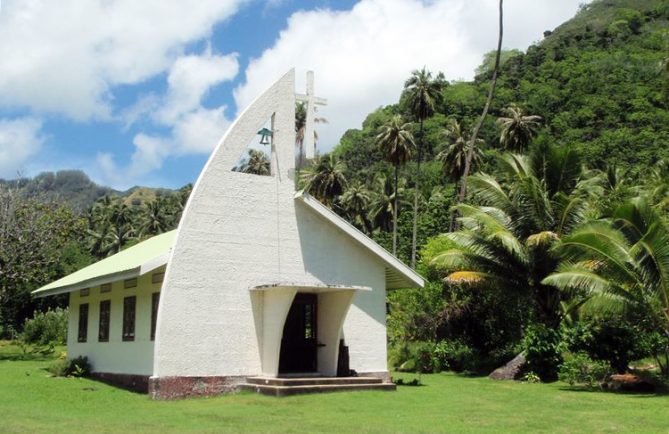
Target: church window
x,y
82,334
129,304
155,299
103,328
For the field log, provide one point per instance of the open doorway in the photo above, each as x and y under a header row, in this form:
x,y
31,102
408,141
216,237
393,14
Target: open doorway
x,y
299,343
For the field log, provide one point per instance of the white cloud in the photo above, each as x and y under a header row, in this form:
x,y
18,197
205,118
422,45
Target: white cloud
x,y
64,56
363,56
194,129
20,139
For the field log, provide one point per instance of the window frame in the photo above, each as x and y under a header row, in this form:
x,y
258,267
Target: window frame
x,y
129,318
104,321
82,326
155,301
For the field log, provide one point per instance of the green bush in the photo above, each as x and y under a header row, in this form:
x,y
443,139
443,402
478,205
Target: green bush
x,y
582,370
616,342
77,367
416,356
455,355
46,328
543,351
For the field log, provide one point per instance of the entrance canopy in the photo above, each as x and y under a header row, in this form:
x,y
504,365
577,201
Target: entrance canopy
x,y
271,305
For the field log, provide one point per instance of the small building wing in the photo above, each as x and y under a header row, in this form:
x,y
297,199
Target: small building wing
x,y
398,275
132,262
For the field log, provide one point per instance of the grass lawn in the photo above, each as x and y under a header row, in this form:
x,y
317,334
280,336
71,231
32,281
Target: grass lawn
x,y
31,401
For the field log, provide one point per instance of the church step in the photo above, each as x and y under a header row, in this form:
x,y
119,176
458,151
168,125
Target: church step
x,y
311,381
320,388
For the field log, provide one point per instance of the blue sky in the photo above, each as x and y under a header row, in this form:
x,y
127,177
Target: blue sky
x,y
138,93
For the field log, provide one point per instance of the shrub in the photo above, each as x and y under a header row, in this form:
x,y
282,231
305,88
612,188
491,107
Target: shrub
x,y
77,367
613,341
416,356
543,351
582,370
46,328
455,355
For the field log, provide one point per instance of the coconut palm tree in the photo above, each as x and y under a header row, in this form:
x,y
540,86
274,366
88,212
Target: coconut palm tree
x,y
396,142
256,163
518,129
355,202
477,128
621,263
507,238
325,180
154,220
454,157
422,92
300,129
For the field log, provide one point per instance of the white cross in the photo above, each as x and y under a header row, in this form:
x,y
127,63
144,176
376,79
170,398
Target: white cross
x,y
312,101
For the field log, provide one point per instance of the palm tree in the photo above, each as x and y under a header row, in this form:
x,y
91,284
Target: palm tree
x,y
382,206
518,129
454,157
397,144
154,219
355,202
256,163
475,134
120,217
621,263
325,180
422,93
507,237
300,129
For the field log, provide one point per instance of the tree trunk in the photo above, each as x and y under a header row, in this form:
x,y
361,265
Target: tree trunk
x,y
477,128
397,177
415,199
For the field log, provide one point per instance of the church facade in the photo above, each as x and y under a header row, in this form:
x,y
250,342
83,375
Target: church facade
x,y
259,280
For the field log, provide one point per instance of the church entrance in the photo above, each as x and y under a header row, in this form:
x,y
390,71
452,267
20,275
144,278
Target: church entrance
x,y
299,343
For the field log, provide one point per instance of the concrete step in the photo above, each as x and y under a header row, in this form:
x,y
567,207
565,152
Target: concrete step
x,y
311,381
274,390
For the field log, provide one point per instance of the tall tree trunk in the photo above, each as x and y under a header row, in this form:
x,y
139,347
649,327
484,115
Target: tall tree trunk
x,y
477,128
397,178
415,199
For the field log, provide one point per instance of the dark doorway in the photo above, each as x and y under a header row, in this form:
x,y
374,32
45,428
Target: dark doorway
x,y
299,341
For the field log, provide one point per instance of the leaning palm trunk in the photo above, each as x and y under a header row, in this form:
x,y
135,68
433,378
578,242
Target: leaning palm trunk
x,y
477,128
397,179
414,236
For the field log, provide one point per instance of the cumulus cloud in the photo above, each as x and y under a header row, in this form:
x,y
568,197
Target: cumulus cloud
x,y
20,139
363,56
194,129
83,48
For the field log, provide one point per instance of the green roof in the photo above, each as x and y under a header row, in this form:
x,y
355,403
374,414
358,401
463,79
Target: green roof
x,y
132,262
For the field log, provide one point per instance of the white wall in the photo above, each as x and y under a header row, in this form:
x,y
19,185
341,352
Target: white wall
x,y
240,231
115,356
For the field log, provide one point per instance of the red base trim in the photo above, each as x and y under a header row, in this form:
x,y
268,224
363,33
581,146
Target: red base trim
x,y
135,383
183,387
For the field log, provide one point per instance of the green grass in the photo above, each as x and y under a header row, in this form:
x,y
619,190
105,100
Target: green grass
x,y
32,401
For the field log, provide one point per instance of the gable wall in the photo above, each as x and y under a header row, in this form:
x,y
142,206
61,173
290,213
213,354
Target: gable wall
x,y
240,231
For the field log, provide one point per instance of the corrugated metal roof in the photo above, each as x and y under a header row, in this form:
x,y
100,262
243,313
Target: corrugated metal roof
x,y
132,262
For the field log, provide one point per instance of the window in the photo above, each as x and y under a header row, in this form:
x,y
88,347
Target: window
x,y
103,329
84,292
157,277
83,323
106,287
129,283
155,298
129,304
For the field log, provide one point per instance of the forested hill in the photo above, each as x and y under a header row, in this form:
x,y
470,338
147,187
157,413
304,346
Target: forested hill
x,y
75,188
599,81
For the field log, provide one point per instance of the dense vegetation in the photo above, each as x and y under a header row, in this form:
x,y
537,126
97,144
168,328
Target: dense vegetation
x,y
559,249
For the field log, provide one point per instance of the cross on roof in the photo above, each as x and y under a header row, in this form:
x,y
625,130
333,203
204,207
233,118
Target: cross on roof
x,y
312,101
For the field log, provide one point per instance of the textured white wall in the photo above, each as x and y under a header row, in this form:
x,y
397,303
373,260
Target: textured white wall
x,y
115,356
240,231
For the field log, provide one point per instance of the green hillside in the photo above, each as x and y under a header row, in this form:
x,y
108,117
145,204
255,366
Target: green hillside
x,y
598,80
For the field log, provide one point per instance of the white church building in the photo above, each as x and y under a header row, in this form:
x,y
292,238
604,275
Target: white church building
x,y
261,286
